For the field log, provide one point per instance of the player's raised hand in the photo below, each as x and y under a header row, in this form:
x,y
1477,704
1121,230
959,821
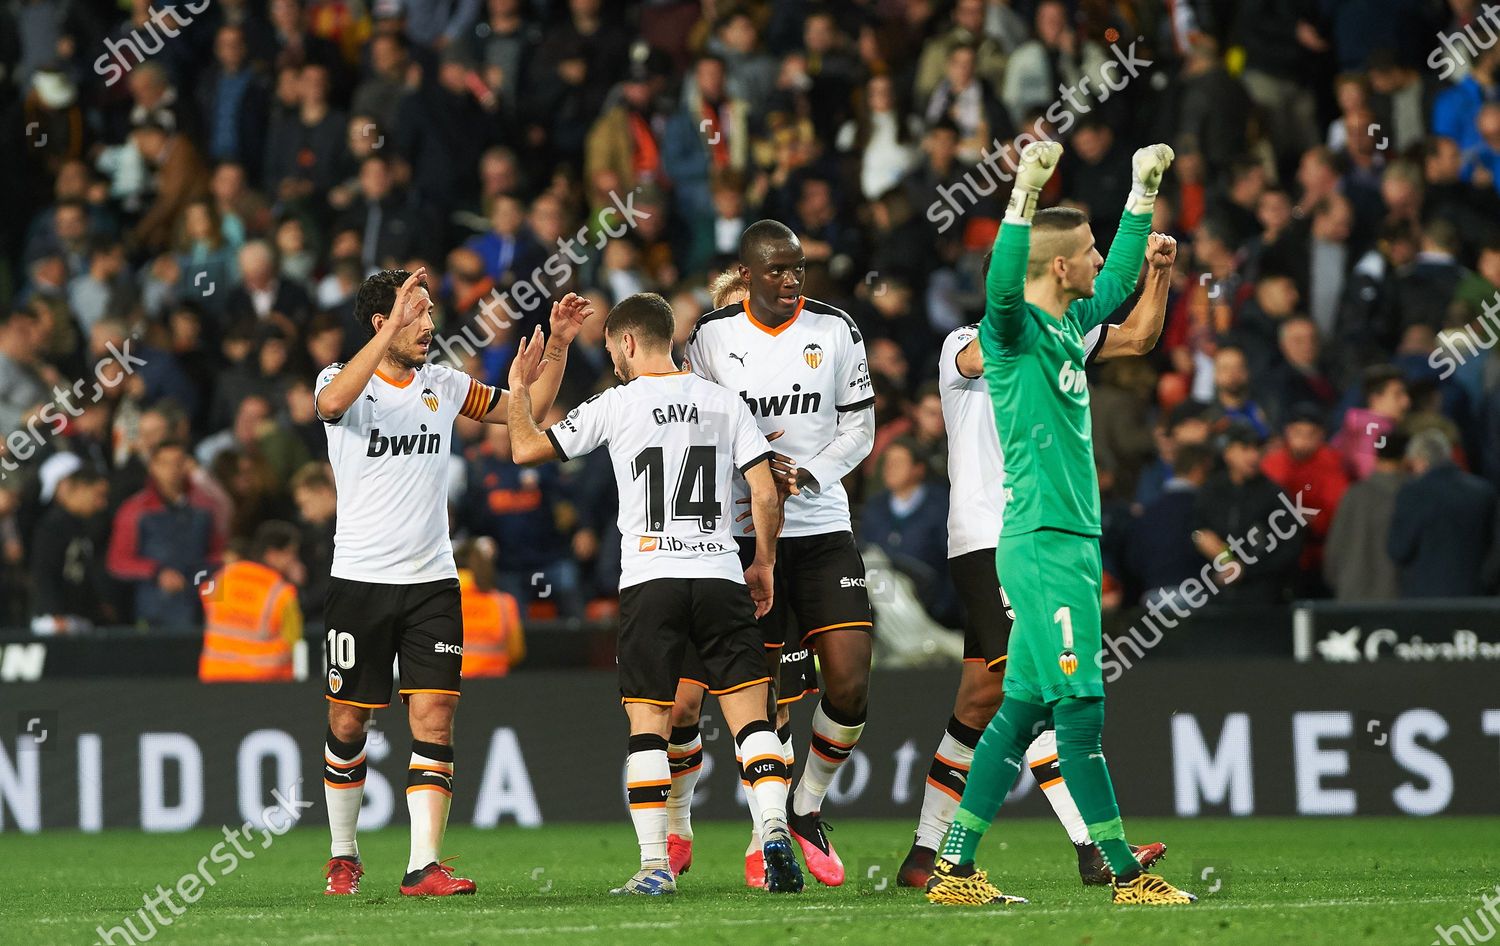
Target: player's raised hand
x,y
1161,251
760,579
410,304
568,314
1038,161
526,367
1148,165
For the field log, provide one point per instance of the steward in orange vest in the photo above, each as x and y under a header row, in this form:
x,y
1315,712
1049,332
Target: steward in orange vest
x,y
251,617
493,639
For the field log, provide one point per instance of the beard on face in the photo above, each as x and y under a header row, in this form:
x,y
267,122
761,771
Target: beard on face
x,y
411,355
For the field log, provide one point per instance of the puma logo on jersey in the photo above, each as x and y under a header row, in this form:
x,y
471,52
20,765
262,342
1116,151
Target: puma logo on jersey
x,y
370,398
777,405
739,358
404,444
676,414
1070,380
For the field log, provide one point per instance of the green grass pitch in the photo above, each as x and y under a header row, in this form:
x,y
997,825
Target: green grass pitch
x,y
1366,881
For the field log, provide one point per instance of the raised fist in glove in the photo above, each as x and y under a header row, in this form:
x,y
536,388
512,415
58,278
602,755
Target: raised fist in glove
x,y
1038,161
1149,164
1147,167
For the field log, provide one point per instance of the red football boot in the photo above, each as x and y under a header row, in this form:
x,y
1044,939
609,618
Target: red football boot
x,y
755,869
435,880
679,854
822,860
343,875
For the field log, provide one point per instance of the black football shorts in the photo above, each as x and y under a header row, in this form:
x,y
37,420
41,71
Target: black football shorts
x,y
987,615
665,619
370,625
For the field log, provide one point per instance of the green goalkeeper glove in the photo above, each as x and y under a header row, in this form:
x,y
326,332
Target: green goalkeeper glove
x,y
1038,161
1147,168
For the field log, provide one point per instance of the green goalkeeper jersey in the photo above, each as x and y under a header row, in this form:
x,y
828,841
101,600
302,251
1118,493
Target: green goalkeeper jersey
x,y
1034,365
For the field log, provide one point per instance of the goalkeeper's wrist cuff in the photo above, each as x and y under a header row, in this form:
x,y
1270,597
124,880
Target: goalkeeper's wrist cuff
x,y
1141,200
1022,206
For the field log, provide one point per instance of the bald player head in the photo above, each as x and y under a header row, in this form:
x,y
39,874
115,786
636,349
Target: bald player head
x,y
772,266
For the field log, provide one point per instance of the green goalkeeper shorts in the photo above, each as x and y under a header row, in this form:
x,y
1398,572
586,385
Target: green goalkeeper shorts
x,y
1053,580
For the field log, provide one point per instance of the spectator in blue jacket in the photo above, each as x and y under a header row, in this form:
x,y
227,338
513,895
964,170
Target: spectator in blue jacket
x,y
164,542
1443,526
1160,550
909,521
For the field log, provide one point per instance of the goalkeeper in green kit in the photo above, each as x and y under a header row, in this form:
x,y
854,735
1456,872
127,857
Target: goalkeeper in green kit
x,y
1045,289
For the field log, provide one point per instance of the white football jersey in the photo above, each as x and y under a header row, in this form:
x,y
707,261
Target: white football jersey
x,y
676,441
797,378
976,469
390,453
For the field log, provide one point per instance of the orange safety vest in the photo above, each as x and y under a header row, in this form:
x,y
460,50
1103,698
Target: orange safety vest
x,y
490,618
242,640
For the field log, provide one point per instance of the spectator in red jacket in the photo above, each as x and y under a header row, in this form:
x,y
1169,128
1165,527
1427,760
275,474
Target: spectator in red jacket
x,y
164,542
1304,464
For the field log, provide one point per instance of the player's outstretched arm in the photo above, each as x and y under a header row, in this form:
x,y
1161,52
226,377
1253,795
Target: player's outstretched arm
x,y
1139,333
766,513
568,315
1121,267
341,392
1005,285
528,444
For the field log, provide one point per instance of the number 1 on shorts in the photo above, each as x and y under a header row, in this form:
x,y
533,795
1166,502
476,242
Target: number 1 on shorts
x,y
1067,660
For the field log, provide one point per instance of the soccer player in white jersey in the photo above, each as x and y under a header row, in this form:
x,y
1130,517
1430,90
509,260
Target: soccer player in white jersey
x,y
799,364
977,473
393,588
675,440
793,676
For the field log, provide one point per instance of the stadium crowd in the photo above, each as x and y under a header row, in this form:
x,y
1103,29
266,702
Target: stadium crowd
x,y
195,192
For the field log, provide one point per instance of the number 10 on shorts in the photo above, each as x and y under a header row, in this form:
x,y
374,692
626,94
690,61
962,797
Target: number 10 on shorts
x,y
1067,660
340,649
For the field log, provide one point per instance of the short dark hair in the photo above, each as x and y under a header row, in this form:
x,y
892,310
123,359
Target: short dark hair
x,y
1392,445
1059,218
758,234
1193,456
377,296
169,444
910,445
274,535
645,315
1375,379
